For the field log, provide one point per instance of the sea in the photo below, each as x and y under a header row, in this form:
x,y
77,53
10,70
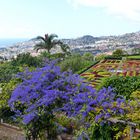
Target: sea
x,y
4,43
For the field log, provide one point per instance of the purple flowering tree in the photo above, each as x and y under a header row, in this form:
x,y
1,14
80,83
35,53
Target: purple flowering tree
x,y
47,90
41,94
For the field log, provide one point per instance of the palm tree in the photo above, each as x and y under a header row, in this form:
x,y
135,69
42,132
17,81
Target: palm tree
x,y
48,42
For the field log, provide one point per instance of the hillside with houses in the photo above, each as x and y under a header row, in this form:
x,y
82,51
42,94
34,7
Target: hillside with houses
x,y
87,43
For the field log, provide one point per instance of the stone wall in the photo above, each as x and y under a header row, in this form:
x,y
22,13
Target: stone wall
x,y
8,132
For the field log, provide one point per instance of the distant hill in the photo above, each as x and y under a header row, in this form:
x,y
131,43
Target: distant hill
x,y
87,39
132,38
87,43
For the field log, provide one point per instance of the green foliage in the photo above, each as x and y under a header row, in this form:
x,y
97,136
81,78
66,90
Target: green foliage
x,y
65,48
45,55
26,59
5,93
135,57
57,56
118,53
37,128
69,123
113,57
7,72
106,131
122,85
100,57
134,108
7,84
6,89
6,114
76,63
47,43
88,56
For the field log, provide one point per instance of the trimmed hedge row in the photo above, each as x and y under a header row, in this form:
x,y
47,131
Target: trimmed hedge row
x,y
82,71
120,57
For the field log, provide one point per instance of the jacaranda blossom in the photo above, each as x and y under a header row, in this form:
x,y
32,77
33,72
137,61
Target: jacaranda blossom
x,y
47,90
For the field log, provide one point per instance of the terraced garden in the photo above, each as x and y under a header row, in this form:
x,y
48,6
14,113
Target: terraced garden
x,y
106,68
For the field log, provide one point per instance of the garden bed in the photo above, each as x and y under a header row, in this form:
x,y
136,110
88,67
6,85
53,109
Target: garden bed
x,y
106,68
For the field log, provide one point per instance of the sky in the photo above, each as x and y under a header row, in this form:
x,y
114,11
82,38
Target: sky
x,y
68,18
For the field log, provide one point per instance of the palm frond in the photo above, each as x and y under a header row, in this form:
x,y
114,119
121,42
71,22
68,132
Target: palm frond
x,y
40,38
39,46
57,42
52,36
48,42
65,48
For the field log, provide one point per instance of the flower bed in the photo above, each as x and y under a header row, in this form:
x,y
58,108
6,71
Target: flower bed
x,y
130,68
107,68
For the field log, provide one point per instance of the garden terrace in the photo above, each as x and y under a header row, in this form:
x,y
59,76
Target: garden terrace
x,y
106,68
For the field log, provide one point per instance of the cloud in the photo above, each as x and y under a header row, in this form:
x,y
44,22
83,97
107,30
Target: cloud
x,y
129,9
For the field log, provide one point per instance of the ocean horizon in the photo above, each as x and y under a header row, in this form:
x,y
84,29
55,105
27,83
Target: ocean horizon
x,y
7,42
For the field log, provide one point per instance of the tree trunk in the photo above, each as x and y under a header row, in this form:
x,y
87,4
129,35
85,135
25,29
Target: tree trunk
x,y
131,132
48,51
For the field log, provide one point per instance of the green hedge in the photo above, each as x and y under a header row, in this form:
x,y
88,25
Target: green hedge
x,y
120,57
113,57
85,69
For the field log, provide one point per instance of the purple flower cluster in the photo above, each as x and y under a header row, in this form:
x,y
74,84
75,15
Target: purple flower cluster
x,y
47,90
100,105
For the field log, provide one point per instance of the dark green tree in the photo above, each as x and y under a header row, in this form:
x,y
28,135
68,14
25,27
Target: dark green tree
x,y
7,72
76,63
48,42
88,56
26,59
118,52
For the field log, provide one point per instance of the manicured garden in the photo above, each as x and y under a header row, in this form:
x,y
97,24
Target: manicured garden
x,y
107,68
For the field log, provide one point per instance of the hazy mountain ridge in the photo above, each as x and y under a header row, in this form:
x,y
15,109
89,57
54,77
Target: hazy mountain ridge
x,y
88,39
87,43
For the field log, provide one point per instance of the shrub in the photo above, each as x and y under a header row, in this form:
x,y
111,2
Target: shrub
x,y
26,59
6,91
7,72
118,53
47,90
76,63
42,93
123,86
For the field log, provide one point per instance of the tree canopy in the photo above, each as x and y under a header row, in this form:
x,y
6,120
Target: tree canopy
x,y
49,41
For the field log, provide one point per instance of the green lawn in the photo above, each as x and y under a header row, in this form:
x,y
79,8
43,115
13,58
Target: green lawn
x,y
134,56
